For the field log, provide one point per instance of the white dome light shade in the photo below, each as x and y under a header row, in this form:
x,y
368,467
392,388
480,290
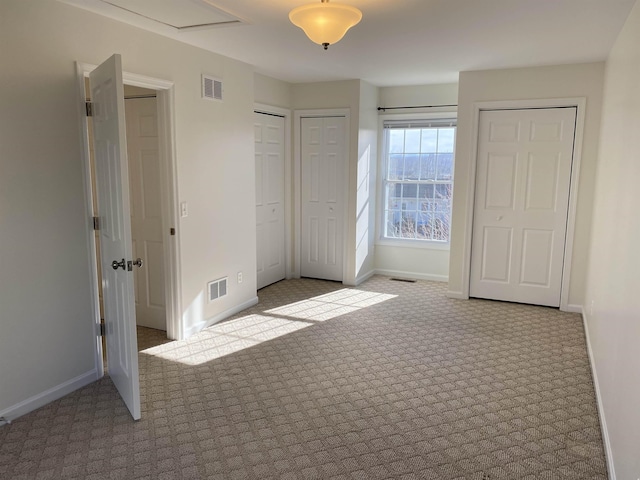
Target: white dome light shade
x,y
325,23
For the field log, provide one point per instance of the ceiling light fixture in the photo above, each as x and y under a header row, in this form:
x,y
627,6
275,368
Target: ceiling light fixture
x,y
325,23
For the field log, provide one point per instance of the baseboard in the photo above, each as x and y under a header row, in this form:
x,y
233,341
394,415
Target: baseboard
x,y
457,295
48,396
365,277
603,422
573,308
219,317
412,275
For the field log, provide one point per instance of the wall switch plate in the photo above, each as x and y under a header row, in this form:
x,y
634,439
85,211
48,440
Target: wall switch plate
x,y
184,211
239,277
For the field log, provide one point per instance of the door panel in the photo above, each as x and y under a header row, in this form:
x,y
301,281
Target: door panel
x,y
522,196
146,212
112,185
270,244
323,160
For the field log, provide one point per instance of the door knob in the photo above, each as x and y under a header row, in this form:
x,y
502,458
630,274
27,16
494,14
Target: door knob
x,y
138,262
117,264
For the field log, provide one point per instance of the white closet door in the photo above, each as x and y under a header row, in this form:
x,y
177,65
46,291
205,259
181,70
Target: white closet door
x,y
112,185
323,203
146,211
522,196
269,141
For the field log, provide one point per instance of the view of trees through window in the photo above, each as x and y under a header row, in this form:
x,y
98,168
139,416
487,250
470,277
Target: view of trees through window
x,y
419,182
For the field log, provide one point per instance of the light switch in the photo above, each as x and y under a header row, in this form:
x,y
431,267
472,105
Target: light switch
x,y
183,209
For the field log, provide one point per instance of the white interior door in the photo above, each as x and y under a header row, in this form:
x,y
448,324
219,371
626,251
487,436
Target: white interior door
x,y
522,197
269,141
112,184
323,204
146,211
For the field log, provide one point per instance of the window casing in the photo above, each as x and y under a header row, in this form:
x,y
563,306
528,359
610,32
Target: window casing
x,y
418,179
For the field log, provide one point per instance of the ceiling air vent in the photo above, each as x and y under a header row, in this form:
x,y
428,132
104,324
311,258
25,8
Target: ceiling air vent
x,y
217,289
211,88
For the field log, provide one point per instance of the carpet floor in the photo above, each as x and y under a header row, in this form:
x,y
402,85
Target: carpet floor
x,y
389,380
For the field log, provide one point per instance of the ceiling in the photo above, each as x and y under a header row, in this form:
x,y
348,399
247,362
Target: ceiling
x,y
398,42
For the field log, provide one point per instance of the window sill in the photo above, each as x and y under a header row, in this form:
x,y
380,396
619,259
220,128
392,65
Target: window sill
x,y
408,243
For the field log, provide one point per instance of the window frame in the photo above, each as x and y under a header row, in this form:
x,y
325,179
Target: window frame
x,y
382,173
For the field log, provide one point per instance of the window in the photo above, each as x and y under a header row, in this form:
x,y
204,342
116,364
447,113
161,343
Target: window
x,y
418,179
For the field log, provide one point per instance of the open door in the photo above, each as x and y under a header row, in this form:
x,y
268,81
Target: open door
x,y
112,186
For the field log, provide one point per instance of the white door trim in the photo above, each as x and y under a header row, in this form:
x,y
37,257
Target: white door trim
x,y
580,104
297,181
288,229
166,140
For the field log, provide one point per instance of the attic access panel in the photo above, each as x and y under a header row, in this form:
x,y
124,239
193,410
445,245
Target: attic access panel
x,y
178,14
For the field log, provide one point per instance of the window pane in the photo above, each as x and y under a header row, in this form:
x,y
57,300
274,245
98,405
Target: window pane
x,y
446,141
443,191
394,219
408,225
440,228
429,206
409,190
418,184
396,167
428,167
412,141
445,166
426,191
396,140
429,140
411,167
424,226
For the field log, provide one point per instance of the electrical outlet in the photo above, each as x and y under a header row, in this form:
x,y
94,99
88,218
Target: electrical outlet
x,y
184,211
239,277
593,302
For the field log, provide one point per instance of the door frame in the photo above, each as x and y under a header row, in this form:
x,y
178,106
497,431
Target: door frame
x,y
297,181
169,189
580,104
288,230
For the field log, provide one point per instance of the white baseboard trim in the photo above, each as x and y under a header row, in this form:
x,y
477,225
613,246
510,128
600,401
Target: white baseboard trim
x,y
48,396
365,277
457,295
412,275
219,317
574,308
603,422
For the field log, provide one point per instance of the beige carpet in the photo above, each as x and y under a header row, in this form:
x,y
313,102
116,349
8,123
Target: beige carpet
x,y
390,380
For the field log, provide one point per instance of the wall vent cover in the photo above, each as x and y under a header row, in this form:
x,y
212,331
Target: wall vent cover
x,y
211,88
217,289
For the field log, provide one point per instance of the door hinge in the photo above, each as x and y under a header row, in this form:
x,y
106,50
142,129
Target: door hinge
x,y
102,331
88,108
96,223
172,231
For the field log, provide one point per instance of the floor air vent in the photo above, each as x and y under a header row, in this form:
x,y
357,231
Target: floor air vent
x,y
217,289
211,88
408,280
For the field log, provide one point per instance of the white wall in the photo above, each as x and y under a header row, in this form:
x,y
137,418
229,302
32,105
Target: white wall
x,y
614,260
46,334
271,91
429,262
563,81
366,182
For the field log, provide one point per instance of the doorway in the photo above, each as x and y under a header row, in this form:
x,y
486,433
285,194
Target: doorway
x,y
113,225
522,192
323,162
145,193
270,198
